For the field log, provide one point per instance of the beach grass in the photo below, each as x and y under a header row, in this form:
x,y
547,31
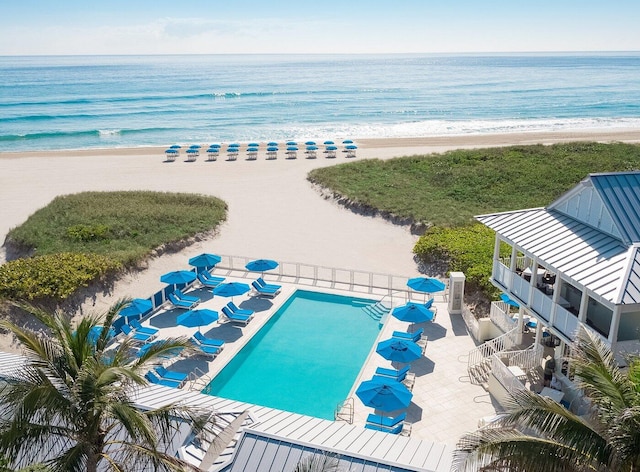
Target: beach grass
x,y
449,189
124,226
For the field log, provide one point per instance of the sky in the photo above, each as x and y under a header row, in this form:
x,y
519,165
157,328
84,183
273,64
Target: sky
x,y
74,27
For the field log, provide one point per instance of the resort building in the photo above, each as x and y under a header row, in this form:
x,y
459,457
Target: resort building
x,y
573,264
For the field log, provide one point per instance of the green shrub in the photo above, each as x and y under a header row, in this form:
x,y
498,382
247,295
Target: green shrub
x,y
52,276
85,233
467,249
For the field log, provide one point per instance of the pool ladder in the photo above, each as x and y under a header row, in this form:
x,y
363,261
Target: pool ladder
x,y
344,411
198,379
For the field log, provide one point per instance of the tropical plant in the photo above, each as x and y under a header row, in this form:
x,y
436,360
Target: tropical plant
x,y
70,407
538,434
318,463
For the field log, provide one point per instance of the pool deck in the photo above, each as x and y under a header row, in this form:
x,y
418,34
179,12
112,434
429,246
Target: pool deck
x,y
445,404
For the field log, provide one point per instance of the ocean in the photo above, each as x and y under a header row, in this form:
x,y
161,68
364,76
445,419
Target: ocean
x,y
80,102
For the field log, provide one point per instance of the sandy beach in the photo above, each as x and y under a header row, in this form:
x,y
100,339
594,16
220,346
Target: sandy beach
x,y
274,212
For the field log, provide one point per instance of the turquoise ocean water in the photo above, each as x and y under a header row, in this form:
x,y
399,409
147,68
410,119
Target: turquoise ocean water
x,y
129,101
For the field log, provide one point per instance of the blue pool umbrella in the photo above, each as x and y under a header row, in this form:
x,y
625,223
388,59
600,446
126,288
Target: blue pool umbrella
x,y
413,313
385,395
261,265
205,260
231,289
193,318
178,277
426,284
509,301
399,350
137,306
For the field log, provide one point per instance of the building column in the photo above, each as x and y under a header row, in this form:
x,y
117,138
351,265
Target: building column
x,y
584,306
613,328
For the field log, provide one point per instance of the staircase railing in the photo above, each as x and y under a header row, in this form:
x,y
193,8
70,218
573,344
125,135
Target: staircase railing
x,y
500,316
480,356
526,359
344,411
472,323
507,378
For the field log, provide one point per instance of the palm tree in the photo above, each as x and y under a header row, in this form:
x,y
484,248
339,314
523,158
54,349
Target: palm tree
x,y
538,434
72,399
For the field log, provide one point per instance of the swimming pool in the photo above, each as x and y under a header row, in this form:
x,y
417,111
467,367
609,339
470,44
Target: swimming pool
x,y
306,357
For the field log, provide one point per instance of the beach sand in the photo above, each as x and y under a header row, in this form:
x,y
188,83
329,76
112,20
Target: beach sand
x,y
274,212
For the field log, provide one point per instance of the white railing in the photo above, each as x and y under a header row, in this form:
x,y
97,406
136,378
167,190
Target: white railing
x,y
307,274
526,359
491,347
520,262
566,322
501,274
520,287
500,316
542,304
472,323
502,373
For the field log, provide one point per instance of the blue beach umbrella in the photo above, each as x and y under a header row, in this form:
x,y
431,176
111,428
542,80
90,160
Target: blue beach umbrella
x,y
291,143
347,141
272,149
426,284
192,151
351,147
253,144
231,289
215,146
205,260
234,145
312,148
292,148
195,146
171,151
213,149
272,143
175,146
252,149
178,277
310,143
399,350
261,265
509,301
193,318
332,148
137,306
328,142
413,313
385,395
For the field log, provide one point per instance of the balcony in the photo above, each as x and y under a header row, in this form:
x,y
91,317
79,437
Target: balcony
x,y
566,322
521,287
542,304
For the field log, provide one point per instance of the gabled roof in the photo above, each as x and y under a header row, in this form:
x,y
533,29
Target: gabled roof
x,y
607,201
589,257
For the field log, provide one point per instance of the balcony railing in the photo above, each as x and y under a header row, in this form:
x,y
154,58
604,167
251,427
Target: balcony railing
x,y
542,304
501,317
501,274
566,322
521,287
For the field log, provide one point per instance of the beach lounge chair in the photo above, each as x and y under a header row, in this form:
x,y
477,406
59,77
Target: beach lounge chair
x,y
178,303
208,280
171,374
153,378
239,311
235,317
264,291
205,341
376,427
415,337
135,324
263,284
188,298
389,425
141,337
403,375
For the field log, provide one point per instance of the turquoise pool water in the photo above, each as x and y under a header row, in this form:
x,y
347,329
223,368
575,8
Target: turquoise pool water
x,y
306,357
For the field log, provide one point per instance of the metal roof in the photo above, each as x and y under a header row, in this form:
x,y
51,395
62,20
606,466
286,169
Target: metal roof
x,y
259,451
607,201
587,256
